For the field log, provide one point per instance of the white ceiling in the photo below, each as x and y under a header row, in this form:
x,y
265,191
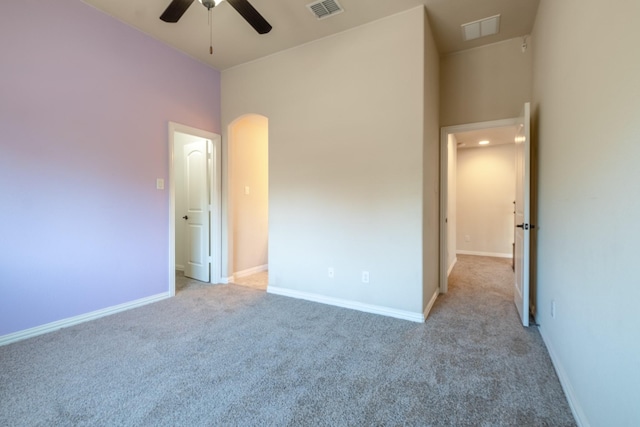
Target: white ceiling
x,y
235,42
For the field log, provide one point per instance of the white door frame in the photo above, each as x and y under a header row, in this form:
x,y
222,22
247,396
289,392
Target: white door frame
x,y
215,186
522,254
444,183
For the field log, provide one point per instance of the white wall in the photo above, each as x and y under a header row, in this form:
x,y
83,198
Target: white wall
x,y
486,183
587,101
249,156
486,83
346,145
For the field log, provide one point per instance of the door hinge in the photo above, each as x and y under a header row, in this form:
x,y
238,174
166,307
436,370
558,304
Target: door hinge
x,y
210,259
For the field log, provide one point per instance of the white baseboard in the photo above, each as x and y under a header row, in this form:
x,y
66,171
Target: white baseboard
x,y
430,303
453,264
250,271
226,280
493,254
576,408
179,267
367,308
65,323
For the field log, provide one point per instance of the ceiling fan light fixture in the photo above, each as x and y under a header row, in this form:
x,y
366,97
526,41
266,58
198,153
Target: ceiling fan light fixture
x,y
209,4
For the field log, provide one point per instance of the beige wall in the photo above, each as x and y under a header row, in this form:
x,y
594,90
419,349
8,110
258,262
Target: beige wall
x,y
486,183
248,159
346,144
487,83
587,104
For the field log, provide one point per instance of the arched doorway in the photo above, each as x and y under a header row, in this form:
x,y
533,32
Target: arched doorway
x,y
248,195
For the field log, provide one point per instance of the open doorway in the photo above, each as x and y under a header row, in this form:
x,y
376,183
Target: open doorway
x,y
194,205
477,192
248,149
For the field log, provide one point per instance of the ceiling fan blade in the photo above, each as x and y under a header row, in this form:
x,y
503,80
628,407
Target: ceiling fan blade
x,y
251,15
175,10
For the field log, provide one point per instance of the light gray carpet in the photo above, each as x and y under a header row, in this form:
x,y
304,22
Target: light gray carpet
x,y
258,281
231,355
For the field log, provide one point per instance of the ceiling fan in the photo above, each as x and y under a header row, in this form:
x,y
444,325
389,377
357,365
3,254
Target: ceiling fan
x,y
177,8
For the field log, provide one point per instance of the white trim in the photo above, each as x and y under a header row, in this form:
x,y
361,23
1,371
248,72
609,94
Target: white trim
x,y
215,228
215,209
250,271
574,404
179,267
65,323
444,187
478,253
338,302
226,280
430,304
453,264
444,200
172,214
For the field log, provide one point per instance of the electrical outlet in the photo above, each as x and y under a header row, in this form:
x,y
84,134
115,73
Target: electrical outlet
x,y
365,277
331,272
553,309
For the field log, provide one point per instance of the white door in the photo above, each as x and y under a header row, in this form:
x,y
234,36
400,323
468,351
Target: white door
x,y
522,219
197,214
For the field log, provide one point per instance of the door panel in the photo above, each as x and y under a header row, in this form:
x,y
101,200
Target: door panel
x,y
522,215
197,215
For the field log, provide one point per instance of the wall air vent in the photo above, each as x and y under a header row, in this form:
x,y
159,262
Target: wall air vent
x,y
324,9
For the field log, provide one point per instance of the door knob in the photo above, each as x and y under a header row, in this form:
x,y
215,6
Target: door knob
x,y
185,217
523,226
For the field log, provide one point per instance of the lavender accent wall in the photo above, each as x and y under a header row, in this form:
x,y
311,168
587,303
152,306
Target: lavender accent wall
x,y
84,106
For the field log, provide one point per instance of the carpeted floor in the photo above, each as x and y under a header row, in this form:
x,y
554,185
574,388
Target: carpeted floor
x,y
258,281
232,355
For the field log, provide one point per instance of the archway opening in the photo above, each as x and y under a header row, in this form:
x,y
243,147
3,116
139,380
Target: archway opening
x,y
249,200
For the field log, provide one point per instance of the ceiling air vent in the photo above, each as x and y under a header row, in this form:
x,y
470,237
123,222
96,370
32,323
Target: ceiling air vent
x,y
481,28
325,9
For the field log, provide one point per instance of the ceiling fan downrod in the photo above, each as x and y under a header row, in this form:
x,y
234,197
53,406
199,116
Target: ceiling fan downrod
x,y
210,4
